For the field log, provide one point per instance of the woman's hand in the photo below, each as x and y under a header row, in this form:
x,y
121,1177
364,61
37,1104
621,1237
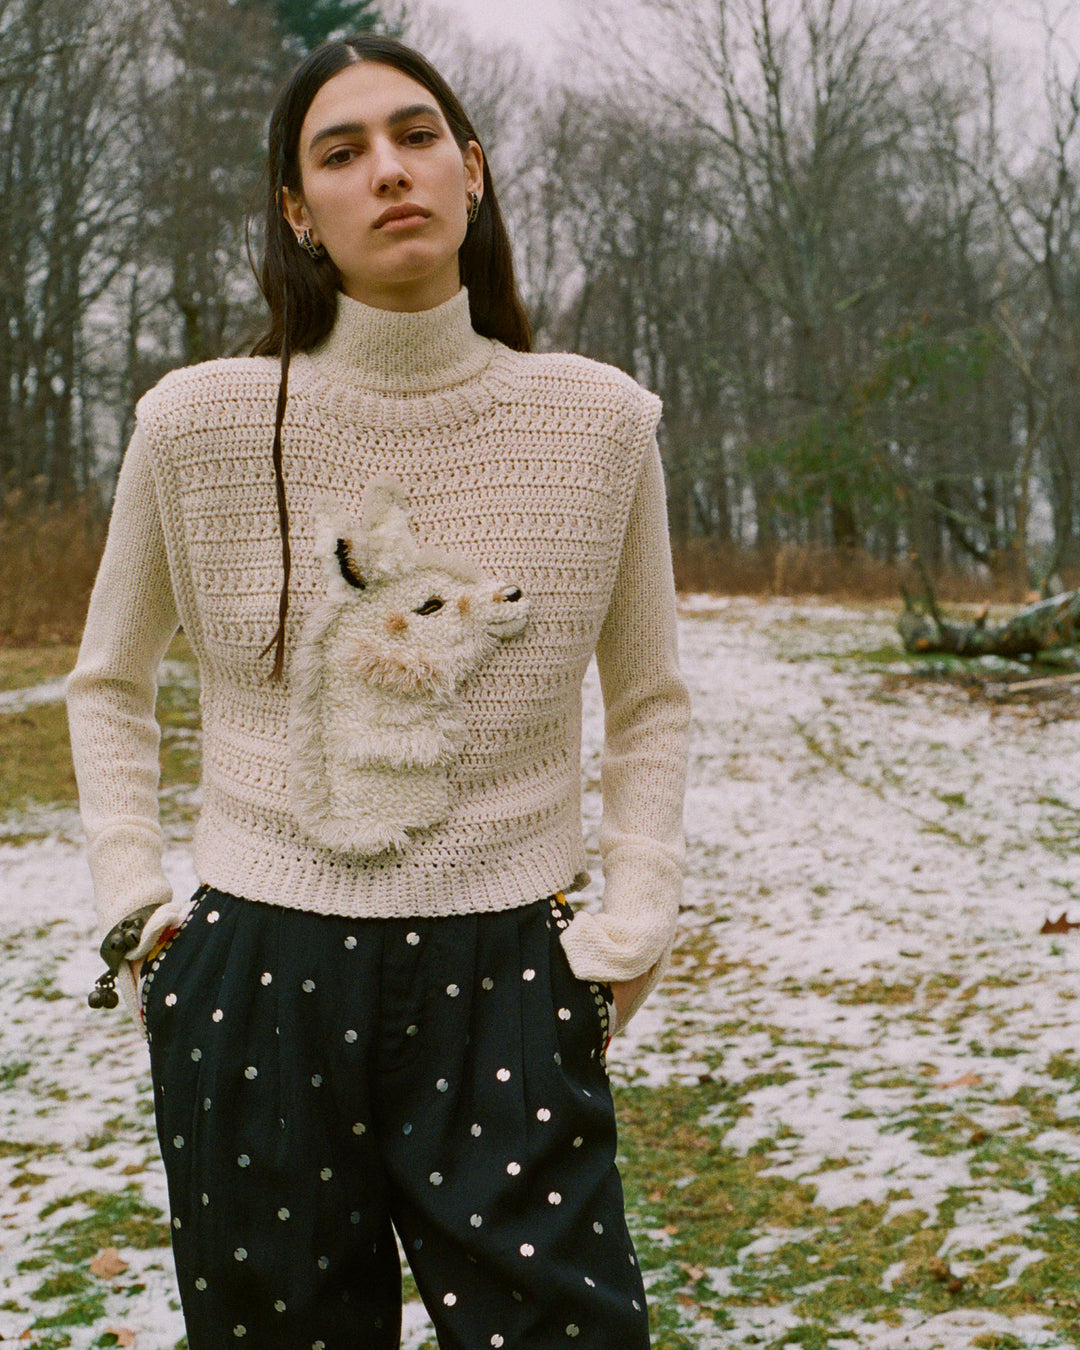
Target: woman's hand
x,y
625,992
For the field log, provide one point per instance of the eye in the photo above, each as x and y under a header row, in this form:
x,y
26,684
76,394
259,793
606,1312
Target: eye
x,y
343,155
431,606
420,136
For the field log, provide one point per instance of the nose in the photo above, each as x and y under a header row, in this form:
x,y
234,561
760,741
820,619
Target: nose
x,y
389,172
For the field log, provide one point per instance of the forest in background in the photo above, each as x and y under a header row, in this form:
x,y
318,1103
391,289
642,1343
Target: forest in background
x,y
840,238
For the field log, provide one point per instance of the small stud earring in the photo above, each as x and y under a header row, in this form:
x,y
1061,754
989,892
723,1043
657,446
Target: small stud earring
x,y
310,247
474,206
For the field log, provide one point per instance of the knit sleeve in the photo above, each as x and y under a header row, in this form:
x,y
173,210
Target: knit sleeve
x,y
111,695
643,770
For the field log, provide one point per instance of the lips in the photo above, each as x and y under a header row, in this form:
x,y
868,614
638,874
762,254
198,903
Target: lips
x,y
405,211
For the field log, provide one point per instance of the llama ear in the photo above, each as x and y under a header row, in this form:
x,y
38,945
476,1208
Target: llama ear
x,y
390,543
349,571
341,545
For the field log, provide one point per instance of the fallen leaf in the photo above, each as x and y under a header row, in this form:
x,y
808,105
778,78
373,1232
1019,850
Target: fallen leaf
x,y
108,1264
965,1080
124,1335
1059,925
941,1272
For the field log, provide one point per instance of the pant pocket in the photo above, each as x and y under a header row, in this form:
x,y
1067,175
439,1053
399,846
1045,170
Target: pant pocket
x,y
581,1006
165,953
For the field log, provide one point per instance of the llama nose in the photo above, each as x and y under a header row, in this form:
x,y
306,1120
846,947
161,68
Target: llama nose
x,y
510,593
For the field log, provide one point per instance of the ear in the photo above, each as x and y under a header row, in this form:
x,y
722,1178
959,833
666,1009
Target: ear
x,y
473,157
386,524
294,211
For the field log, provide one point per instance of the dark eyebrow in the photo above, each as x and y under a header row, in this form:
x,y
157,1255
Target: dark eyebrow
x,y
358,128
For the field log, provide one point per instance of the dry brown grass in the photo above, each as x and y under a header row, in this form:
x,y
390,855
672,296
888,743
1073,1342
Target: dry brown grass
x,y
795,569
48,558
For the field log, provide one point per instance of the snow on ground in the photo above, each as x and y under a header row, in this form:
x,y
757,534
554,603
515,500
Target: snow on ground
x,y
869,864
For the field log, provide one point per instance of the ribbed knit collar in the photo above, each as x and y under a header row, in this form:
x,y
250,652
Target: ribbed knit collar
x,y
388,352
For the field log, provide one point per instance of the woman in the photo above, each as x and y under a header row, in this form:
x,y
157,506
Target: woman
x,y
379,1014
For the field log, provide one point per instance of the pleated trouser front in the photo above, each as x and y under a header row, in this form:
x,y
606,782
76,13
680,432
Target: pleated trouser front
x,y
321,1083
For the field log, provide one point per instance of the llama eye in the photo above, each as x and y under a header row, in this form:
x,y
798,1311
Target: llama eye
x,y
431,606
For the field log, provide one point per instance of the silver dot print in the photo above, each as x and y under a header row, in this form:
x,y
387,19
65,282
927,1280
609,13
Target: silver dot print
x,y
449,1299
170,1000
441,1085
196,1054
412,939
213,916
452,990
266,978
350,943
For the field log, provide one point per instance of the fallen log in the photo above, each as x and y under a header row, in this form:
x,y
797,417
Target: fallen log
x,y
1035,628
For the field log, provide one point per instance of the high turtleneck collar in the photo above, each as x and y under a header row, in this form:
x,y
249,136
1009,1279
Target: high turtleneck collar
x,y
389,352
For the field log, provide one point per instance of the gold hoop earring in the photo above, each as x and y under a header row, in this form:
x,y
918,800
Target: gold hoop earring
x,y
310,247
474,206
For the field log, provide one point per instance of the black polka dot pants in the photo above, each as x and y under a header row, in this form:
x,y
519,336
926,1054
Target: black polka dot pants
x,y
322,1083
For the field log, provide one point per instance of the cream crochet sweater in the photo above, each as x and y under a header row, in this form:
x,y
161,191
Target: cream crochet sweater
x,y
540,471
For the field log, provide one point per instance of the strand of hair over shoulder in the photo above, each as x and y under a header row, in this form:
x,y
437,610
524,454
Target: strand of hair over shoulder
x,y
277,642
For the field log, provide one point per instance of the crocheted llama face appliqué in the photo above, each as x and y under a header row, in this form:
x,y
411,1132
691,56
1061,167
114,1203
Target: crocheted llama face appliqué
x,y
375,722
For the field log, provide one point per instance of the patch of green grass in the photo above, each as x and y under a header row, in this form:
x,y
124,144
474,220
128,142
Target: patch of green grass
x,y
36,755
705,1205
62,1284
115,1219
34,745
24,667
13,1071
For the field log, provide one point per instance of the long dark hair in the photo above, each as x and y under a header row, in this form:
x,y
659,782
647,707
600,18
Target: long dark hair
x,y
302,291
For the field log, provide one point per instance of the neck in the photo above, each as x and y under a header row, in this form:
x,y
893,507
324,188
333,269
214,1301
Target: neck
x,y
404,352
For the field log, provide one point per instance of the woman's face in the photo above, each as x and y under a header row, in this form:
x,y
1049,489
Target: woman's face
x,y
384,187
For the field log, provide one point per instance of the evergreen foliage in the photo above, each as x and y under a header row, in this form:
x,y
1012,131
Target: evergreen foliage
x,y
313,21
